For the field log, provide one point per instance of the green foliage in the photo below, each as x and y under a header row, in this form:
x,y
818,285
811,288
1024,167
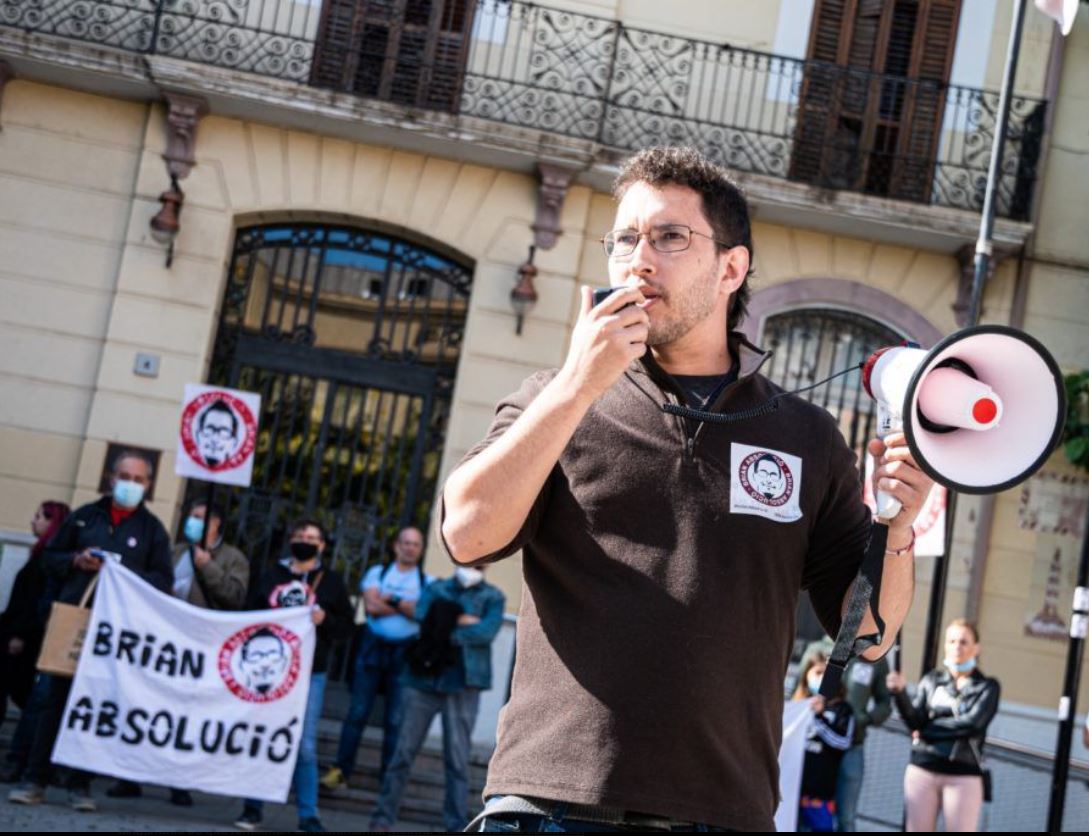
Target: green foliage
x,y
1076,431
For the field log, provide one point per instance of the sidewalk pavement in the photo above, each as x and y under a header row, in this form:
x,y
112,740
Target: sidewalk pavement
x,y
154,813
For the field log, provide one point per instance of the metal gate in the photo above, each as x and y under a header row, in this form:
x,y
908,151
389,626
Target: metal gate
x,y
351,337
811,344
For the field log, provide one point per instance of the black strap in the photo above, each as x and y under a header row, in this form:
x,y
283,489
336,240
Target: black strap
x,y
866,593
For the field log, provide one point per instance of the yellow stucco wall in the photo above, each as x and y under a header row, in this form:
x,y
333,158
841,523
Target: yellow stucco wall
x,y
67,167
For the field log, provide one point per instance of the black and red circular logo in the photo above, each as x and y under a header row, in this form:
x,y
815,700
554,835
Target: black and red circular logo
x,y
260,663
766,478
218,430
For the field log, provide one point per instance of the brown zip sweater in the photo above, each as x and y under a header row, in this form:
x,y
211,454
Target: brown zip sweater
x,y
661,573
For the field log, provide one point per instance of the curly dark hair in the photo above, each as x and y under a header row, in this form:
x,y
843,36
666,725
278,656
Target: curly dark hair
x,y
724,204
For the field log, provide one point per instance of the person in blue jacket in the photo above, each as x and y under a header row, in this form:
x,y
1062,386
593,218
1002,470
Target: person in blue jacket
x,y
448,668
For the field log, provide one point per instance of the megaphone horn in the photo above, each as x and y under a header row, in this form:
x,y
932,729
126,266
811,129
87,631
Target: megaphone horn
x,y
982,410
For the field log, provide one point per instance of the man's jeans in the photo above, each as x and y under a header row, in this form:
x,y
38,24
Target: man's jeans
x,y
559,822
378,667
39,767
23,738
305,779
849,787
418,710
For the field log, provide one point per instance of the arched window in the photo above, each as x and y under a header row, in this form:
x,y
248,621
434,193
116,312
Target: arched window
x,y
809,344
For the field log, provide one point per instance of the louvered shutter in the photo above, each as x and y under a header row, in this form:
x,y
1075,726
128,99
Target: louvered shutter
x,y
408,51
921,120
337,48
864,122
818,106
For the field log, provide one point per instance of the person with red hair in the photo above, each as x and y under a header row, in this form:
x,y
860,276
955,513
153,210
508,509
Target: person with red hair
x,y
22,626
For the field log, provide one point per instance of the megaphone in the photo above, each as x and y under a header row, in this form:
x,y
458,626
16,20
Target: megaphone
x,y
982,410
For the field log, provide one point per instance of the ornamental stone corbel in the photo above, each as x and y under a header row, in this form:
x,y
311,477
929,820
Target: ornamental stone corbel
x,y
553,182
183,114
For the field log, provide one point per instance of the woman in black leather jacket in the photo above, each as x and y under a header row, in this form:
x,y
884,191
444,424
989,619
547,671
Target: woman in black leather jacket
x,y
948,716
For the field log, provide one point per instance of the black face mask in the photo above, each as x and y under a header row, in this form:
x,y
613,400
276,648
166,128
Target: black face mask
x,y
303,551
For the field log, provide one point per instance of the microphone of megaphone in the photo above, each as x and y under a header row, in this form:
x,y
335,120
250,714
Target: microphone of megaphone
x,y
982,410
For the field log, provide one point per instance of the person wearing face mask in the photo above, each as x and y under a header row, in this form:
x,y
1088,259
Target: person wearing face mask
x,y
214,578
118,523
828,738
22,627
948,716
303,579
390,593
868,695
459,619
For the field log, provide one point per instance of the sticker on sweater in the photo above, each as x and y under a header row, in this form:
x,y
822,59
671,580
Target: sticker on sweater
x,y
766,483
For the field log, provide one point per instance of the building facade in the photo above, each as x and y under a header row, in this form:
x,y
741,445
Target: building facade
x,y
361,182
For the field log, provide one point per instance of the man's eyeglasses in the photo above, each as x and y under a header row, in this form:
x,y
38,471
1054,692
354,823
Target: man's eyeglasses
x,y
669,238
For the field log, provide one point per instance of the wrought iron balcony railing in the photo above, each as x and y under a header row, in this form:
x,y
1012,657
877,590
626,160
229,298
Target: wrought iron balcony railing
x,y
596,79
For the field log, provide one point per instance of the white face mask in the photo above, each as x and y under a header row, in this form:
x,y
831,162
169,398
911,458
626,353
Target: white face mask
x,y
468,576
127,494
967,666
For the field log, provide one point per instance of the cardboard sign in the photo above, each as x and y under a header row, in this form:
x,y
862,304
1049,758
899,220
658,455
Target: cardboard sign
x,y
217,434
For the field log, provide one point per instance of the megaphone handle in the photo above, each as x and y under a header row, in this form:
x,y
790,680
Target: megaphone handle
x,y
888,506
888,422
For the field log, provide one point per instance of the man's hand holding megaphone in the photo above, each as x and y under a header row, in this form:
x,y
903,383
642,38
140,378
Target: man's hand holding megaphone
x,y
979,412
898,475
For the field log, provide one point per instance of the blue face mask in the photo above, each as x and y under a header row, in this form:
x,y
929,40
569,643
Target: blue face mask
x,y
127,494
194,529
963,667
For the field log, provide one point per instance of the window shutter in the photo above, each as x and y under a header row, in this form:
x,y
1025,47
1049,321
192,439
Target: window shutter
x,y
451,55
338,43
865,119
408,51
819,101
924,106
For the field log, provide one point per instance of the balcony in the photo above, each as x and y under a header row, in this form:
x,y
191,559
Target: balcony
x,y
596,81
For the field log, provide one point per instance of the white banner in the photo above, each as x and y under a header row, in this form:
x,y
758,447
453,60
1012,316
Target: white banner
x,y
171,694
217,434
796,716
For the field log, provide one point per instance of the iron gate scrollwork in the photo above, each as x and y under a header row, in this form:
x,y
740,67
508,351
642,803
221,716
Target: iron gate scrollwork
x,y
351,337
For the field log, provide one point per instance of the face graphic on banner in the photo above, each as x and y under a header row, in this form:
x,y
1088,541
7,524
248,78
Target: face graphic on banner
x,y
217,433
767,476
264,661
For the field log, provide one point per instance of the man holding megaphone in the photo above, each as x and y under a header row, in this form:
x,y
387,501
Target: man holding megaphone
x,y
669,503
